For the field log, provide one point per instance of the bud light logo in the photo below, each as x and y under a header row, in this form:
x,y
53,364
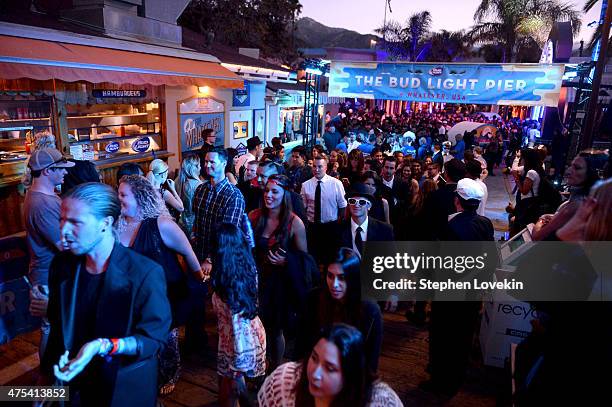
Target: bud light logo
x,y
141,145
112,147
435,71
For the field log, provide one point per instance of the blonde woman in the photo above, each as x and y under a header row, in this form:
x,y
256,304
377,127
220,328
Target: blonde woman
x,y
158,176
186,184
146,227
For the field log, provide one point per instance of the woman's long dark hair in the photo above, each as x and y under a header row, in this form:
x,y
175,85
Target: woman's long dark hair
x,y
229,167
356,155
532,161
281,234
377,181
234,276
357,381
349,310
595,161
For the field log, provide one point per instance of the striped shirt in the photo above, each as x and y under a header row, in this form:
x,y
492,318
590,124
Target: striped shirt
x,y
213,205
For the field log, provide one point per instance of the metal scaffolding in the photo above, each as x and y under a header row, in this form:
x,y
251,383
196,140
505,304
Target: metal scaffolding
x,y
311,104
580,107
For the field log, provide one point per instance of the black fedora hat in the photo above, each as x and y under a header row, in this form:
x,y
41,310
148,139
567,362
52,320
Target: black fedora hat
x,y
359,189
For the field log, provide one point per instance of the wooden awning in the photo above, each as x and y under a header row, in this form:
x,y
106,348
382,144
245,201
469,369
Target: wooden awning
x,y
43,60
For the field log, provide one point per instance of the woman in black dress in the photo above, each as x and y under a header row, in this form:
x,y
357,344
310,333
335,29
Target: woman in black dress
x,y
146,227
339,301
278,230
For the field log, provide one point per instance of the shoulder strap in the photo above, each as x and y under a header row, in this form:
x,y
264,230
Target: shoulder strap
x,y
291,219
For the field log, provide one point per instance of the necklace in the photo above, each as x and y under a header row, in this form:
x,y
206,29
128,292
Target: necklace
x,y
124,226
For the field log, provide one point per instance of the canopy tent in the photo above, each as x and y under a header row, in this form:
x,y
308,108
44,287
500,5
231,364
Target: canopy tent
x,y
481,129
44,60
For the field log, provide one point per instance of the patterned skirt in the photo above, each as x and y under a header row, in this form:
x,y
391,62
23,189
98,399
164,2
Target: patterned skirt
x,y
242,343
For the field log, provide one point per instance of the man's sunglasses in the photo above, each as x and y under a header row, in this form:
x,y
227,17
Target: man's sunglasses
x,y
362,202
60,161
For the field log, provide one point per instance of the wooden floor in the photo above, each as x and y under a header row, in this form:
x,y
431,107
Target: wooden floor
x,y
402,365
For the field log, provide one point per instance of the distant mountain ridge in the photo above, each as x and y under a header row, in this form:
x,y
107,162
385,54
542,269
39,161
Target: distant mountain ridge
x,y
312,34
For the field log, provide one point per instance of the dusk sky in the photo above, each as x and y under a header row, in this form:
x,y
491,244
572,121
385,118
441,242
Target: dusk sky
x,y
365,15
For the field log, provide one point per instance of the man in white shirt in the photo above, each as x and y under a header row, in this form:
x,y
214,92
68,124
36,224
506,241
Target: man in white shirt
x,y
474,170
353,143
442,129
254,151
325,204
483,163
446,154
534,134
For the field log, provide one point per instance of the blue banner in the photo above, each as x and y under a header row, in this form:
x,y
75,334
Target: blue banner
x,y
15,317
241,97
498,84
192,125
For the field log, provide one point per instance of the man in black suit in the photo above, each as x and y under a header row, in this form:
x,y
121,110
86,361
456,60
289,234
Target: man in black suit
x,y
441,203
395,191
433,172
108,307
453,323
360,227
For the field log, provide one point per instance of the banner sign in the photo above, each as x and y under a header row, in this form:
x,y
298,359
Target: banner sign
x,y
497,84
240,97
191,126
118,93
15,317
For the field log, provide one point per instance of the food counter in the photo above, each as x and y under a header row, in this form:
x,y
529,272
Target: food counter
x,y
108,131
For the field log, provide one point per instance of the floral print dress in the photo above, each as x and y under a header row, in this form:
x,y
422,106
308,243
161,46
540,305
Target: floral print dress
x,y
242,343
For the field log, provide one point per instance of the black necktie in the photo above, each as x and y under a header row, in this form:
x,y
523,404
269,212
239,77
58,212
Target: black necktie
x,y
359,240
317,213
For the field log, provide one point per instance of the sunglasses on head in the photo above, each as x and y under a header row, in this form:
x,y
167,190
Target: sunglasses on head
x,y
60,161
362,202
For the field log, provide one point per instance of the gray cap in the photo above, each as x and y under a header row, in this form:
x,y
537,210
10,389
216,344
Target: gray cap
x,y
48,158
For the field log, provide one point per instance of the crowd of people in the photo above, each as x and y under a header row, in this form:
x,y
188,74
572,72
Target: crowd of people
x,y
278,242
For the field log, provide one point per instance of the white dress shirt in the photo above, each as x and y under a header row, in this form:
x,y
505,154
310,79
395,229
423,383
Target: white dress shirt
x,y
332,198
353,145
388,183
364,232
483,201
243,160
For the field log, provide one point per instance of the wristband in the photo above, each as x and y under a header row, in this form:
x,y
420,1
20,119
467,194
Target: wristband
x,y
105,346
115,348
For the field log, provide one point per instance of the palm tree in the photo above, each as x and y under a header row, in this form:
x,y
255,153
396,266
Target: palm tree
x,y
512,23
417,31
447,46
407,42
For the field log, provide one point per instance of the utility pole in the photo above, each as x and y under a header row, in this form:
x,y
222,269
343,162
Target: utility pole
x,y
385,25
589,125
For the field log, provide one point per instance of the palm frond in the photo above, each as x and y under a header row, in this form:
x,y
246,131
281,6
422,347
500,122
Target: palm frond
x,y
588,5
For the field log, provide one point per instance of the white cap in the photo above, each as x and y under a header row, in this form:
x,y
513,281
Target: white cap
x,y
470,189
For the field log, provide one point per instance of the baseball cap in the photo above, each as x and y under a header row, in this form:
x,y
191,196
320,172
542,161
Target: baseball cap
x,y
48,158
469,189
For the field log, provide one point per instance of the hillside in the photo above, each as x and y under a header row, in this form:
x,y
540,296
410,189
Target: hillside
x,y
312,34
